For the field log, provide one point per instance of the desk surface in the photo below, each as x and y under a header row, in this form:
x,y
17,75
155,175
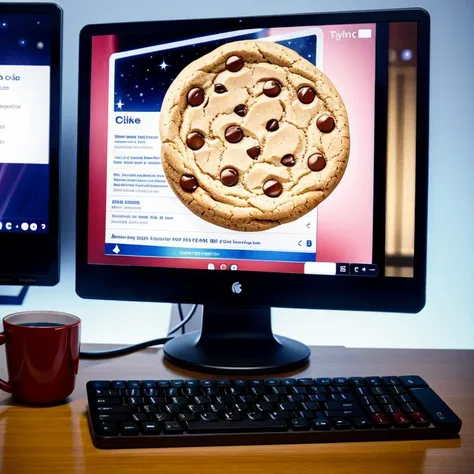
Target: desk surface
x,y
50,440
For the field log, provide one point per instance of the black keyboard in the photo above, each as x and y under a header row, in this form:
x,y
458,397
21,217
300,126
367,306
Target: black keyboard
x,y
165,413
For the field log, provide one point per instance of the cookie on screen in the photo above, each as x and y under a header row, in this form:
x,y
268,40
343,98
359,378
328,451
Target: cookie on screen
x,y
253,136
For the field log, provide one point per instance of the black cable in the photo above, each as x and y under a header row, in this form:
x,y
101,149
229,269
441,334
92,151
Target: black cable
x,y
142,345
181,318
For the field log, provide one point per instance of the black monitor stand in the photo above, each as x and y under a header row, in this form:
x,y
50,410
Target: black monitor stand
x,y
236,340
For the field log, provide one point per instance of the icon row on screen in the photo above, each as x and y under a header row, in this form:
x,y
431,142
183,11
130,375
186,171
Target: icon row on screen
x,y
222,266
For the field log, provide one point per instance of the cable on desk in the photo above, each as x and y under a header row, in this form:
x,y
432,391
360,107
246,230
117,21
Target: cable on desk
x,y
121,351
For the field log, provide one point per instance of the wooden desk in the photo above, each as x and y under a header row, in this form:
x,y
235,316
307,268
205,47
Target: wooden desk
x,y
56,440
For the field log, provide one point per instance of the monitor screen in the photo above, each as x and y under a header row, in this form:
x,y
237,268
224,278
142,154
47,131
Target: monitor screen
x,y
210,152
25,85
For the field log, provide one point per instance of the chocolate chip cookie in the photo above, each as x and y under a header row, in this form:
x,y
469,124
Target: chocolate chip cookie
x,y
253,136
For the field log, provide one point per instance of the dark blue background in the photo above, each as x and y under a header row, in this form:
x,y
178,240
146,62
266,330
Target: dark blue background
x,y
141,82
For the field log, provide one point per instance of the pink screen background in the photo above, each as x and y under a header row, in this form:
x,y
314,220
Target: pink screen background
x,y
345,219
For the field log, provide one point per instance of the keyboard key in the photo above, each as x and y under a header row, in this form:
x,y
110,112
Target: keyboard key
x,y
400,420
209,391
133,384
396,390
118,384
150,392
140,417
367,400
115,417
279,415
174,408
231,416
419,419
176,383
245,426
380,421
100,384
192,383
405,398
109,401
436,408
363,391
248,399
256,416
218,407
343,413
132,392
209,416
190,391
361,423
323,381
272,383
173,427
107,428
385,399
409,407
148,384
256,383
379,390
298,390
342,397
155,400
339,406
207,383
275,398
202,400
114,409
305,382
391,408
391,380
300,424
373,409
196,408
129,428
258,391
265,406
309,414
288,382
225,399
162,383
295,398
356,381
339,381
338,388
321,425
317,398
240,383
279,390
241,407
148,409
105,392
172,392
135,401
310,406
318,390
150,428
238,390
187,416
223,383
286,406
341,424
413,381
373,381
162,417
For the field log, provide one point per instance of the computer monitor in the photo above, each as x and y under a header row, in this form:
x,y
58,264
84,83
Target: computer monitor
x,y
251,162
30,55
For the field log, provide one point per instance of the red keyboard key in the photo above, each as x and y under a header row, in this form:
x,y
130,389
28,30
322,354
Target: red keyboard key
x,y
380,421
400,420
420,419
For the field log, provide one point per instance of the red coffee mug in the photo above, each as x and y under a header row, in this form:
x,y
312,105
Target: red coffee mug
x,y
42,355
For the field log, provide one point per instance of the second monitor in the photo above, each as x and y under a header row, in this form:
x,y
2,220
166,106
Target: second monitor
x,y
252,162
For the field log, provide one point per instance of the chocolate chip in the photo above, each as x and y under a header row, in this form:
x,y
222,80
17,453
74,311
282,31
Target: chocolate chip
x,y
306,95
234,63
195,140
288,160
272,188
229,176
188,183
220,88
195,96
241,110
234,134
253,152
316,162
273,125
271,88
325,123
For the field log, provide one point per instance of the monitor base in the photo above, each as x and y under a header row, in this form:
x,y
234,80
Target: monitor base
x,y
236,341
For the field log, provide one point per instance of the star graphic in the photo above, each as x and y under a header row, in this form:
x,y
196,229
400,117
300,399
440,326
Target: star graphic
x,y
163,65
120,104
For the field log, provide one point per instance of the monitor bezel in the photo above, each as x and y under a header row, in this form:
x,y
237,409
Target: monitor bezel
x,y
33,259
259,289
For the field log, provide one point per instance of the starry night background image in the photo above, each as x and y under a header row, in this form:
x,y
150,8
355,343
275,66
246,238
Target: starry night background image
x,y
142,81
25,40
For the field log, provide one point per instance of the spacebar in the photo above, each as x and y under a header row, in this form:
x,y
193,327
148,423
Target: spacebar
x,y
244,426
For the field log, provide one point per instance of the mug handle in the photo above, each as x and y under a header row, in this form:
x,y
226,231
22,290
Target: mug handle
x,y
5,386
